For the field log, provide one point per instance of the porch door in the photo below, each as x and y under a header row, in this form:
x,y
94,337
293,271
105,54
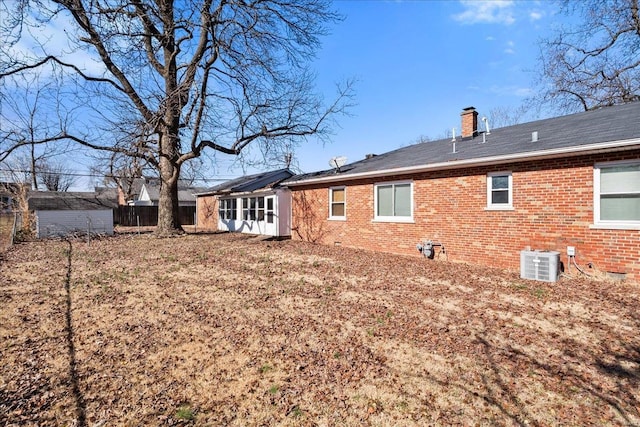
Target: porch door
x,y
270,217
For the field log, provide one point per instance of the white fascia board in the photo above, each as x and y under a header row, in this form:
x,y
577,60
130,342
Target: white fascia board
x,y
261,192
602,147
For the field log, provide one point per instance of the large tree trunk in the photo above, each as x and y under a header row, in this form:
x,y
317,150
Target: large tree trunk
x,y
168,215
168,211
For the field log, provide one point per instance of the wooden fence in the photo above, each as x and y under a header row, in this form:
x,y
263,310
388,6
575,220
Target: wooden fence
x,y
148,215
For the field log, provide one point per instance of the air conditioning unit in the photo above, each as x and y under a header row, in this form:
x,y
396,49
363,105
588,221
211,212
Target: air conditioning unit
x,y
540,265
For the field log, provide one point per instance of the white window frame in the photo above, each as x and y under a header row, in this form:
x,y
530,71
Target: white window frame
x,y
379,218
499,206
331,203
611,224
227,207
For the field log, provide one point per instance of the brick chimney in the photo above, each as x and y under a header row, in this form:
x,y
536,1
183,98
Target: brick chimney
x,y
469,122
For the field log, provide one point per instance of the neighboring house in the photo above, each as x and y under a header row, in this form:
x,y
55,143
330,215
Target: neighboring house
x,y
129,190
62,213
253,204
571,181
146,192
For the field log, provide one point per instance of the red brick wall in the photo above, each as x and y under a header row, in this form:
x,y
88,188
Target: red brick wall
x,y
207,210
553,209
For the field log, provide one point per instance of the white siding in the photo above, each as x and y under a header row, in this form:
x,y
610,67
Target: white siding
x,y
284,212
60,223
282,225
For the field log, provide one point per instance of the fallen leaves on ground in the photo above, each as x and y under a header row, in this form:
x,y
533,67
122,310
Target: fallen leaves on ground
x,y
227,329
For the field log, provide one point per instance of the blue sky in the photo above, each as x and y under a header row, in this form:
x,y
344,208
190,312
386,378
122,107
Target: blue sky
x,y
418,63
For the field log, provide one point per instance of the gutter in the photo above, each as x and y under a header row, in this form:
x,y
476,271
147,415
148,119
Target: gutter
x,y
603,147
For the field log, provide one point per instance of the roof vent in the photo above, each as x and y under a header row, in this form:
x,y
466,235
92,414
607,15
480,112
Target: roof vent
x,y
486,126
369,156
534,136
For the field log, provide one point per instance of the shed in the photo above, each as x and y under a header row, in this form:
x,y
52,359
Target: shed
x,y
62,213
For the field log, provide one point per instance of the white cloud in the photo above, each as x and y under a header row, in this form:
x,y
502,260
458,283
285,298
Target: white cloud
x,y
486,11
535,15
510,48
490,38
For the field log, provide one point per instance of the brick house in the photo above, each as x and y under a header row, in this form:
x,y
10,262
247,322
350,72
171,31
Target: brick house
x,y
488,194
252,204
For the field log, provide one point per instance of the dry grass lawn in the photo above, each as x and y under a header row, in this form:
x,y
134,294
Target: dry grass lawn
x,y
228,330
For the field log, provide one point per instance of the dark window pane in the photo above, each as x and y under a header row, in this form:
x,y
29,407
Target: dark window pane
x,y
500,182
337,209
500,197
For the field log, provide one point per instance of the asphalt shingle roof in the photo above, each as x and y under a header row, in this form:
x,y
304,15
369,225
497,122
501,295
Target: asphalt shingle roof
x,y
58,200
185,194
250,183
608,124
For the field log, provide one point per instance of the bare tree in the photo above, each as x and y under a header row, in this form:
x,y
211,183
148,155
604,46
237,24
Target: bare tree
x,y
506,116
194,75
595,62
55,176
25,117
15,181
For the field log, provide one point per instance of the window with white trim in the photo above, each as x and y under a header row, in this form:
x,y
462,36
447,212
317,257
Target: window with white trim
x,y
337,203
253,208
394,201
499,190
617,193
227,209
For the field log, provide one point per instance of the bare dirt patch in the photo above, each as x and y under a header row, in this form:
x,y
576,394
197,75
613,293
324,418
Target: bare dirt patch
x,y
229,330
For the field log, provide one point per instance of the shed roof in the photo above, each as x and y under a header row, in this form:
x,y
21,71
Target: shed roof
x,y
249,183
59,200
608,128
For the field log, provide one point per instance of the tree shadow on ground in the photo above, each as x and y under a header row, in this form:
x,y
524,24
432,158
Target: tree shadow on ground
x,y
73,371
